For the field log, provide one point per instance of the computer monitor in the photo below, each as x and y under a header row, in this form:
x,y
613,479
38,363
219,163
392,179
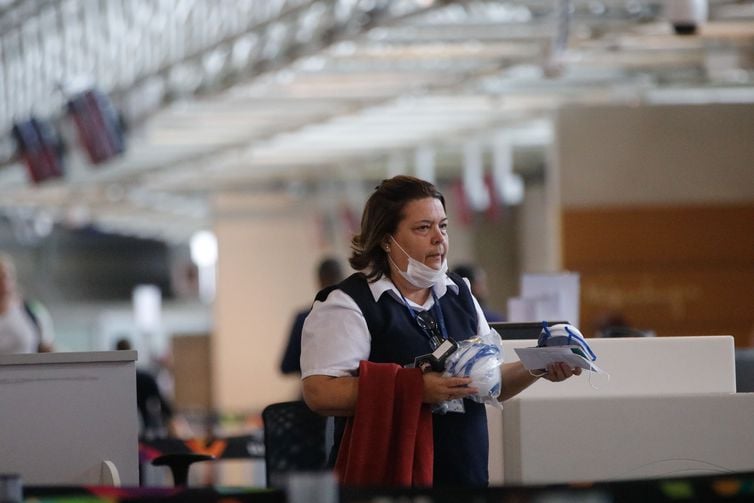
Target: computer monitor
x,y
509,330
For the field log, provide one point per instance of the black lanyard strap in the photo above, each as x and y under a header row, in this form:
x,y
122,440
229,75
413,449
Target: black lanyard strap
x,y
435,332
427,323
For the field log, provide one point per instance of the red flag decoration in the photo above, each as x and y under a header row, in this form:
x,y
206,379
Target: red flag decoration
x,y
494,211
351,220
465,215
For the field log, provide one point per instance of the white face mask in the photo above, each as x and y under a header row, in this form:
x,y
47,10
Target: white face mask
x,y
418,274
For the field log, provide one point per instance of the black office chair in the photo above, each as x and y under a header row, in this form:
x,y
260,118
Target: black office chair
x,y
295,439
179,454
179,464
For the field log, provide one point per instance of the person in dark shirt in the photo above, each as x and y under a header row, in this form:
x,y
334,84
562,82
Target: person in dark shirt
x,y
478,280
155,412
329,272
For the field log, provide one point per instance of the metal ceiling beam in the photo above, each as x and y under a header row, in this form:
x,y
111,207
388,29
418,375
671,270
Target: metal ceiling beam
x,y
375,79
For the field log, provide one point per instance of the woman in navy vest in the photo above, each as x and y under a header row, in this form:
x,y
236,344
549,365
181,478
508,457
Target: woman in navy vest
x,y
401,259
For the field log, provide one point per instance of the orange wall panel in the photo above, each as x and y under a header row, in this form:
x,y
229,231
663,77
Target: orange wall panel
x,y
646,235
676,270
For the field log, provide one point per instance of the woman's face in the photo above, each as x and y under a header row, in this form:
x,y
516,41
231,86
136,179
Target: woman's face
x,y
423,234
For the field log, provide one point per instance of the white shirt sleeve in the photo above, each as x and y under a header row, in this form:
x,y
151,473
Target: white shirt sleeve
x,y
335,337
482,327
17,332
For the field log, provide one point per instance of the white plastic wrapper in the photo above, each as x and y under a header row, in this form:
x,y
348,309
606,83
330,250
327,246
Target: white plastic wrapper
x,y
479,358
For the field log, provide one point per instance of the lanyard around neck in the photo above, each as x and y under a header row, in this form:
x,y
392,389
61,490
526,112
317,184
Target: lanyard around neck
x,y
440,317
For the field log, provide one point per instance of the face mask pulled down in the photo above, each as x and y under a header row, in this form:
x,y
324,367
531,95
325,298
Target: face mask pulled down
x,y
418,274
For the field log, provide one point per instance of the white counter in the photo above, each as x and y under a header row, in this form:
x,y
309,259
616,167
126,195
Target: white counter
x,y
599,439
669,406
65,414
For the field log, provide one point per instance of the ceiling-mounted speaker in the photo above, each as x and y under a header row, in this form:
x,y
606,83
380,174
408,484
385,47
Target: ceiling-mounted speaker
x,y
686,15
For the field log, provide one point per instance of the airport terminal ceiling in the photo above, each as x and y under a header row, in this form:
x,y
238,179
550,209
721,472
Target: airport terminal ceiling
x,y
297,96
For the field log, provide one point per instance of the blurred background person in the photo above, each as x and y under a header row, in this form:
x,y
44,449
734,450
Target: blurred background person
x,y
25,325
615,324
329,272
157,418
477,277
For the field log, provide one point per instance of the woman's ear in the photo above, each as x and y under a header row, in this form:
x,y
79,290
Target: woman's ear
x,y
386,244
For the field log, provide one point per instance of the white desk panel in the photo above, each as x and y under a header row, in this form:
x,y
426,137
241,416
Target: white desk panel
x,y
65,414
646,366
643,366
598,439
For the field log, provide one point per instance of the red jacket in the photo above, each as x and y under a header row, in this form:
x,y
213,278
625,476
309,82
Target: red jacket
x,y
388,441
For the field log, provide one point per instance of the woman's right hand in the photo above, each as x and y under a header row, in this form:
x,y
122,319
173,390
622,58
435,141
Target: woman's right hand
x,y
438,389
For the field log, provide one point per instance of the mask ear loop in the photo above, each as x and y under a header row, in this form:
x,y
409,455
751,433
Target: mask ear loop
x,y
589,379
534,374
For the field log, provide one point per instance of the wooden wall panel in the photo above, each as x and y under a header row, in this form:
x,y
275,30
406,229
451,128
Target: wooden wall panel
x,y
192,372
672,235
678,271
672,301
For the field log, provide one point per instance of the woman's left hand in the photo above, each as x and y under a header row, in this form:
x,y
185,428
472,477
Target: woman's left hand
x,y
560,371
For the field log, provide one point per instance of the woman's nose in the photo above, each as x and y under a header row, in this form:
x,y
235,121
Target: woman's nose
x,y
437,236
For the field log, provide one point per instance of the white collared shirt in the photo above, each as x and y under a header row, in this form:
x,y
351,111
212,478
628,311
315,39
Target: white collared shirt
x,y
17,331
336,338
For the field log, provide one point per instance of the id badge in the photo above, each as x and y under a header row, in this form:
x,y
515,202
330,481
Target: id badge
x,y
436,359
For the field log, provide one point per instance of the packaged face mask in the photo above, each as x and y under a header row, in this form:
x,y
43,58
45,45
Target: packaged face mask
x,y
480,359
565,335
561,343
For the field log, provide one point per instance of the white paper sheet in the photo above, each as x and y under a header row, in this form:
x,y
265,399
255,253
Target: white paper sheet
x,y
539,358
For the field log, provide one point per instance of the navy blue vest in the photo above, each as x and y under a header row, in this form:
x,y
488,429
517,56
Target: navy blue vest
x,y
460,440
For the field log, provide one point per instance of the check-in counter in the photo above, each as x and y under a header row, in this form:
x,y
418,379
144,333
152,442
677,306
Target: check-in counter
x,y
669,407
630,437
69,418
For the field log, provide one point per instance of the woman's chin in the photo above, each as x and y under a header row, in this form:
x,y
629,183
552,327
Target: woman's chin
x,y
434,263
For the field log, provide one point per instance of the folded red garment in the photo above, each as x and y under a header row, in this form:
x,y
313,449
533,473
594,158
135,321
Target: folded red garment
x,y
388,441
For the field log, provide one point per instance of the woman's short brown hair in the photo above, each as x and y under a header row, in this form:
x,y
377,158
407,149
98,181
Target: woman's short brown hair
x,y
382,214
